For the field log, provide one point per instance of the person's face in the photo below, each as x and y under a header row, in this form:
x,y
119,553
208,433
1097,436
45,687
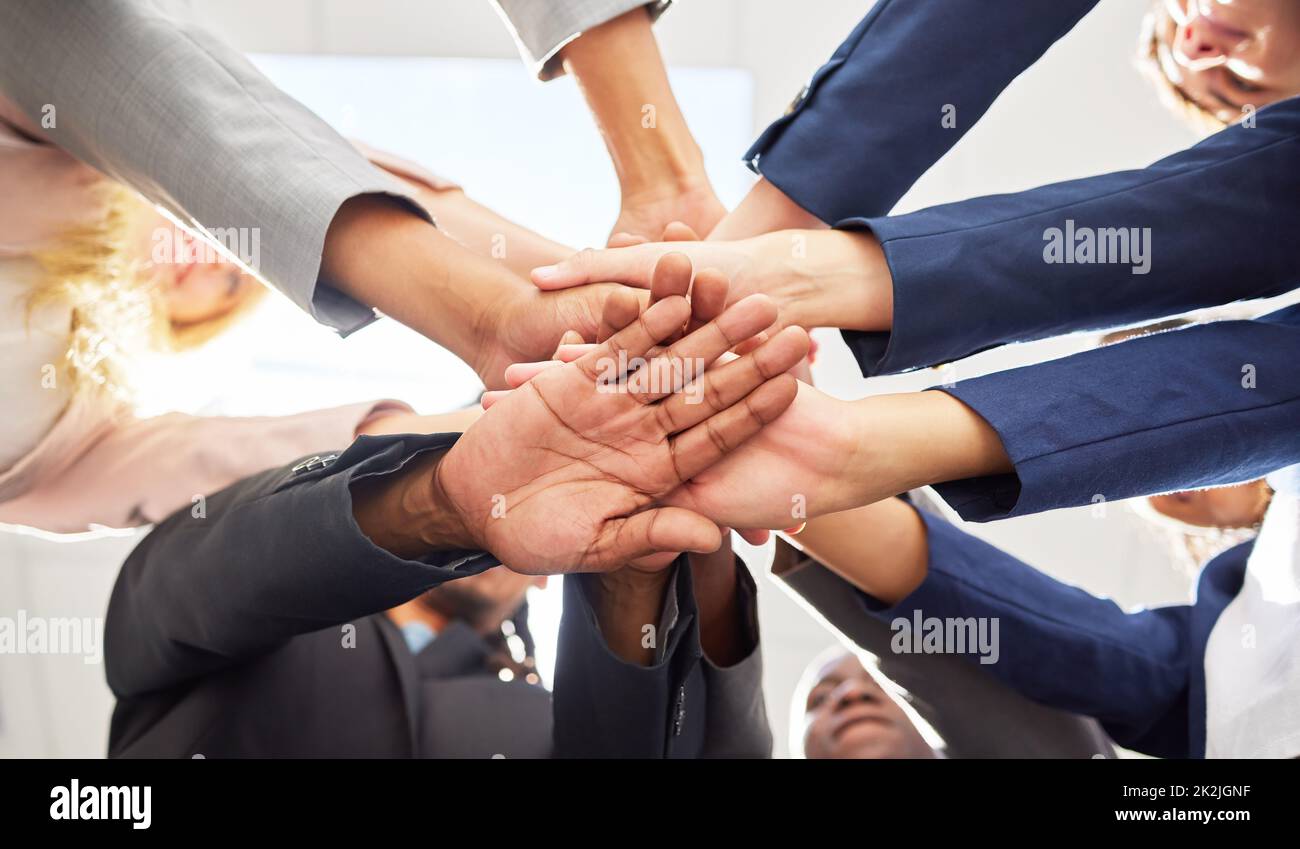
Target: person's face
x,y
1240,506
483,600
1226,54
194,290
849,715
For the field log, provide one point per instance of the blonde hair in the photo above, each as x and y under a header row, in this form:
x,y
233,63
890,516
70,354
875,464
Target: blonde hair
x,y
118,313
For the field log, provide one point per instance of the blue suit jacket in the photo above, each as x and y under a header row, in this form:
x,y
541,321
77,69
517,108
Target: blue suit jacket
x,y
1150,415
1206,405
1142,674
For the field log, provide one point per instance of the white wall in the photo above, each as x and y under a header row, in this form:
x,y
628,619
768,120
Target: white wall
x,y
1083,109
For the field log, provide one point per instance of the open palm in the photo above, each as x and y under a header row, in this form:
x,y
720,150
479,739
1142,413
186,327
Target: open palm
x,y
564,475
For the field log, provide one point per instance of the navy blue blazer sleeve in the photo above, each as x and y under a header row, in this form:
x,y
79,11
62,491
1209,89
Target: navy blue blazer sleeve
x,y
871,121
276,555
1199,228
1137,673
1205,405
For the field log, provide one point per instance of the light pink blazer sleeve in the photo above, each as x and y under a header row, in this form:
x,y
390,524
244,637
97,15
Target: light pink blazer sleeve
x,y
119,472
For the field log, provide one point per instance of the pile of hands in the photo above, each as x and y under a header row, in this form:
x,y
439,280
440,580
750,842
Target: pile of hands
x,y
682,420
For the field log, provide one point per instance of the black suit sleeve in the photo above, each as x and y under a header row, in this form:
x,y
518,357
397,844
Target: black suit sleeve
x,y
681,706
273,556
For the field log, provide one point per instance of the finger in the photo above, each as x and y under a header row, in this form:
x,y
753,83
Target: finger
x,y
631,265
750,343
755,536
517,374
569,353
625,240
630,344
682,361
711,440
570,337
621,308
679,231
491,397
725,385
672,276
708,298
663,529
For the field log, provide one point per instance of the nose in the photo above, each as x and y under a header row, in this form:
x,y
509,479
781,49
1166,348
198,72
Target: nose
x,y
1199,40
850,691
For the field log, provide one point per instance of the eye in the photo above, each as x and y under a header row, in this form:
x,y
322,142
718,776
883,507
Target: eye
x,y
1236,82
816,700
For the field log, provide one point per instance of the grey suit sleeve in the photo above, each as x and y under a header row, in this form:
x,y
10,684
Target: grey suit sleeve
x,y
165,107
976,715
542,29
276,555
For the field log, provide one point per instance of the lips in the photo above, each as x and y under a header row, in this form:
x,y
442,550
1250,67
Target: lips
x,y
855,715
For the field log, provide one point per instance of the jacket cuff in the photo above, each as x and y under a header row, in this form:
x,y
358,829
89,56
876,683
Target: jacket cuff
x,y
606,707
327,479
541,30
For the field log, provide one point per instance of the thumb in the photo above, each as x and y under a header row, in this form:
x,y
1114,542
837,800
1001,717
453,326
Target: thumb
x,y
679,231
631,265
654,531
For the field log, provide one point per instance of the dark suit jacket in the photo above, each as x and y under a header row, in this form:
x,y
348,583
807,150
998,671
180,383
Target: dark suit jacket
x,y
1141,674
1150,415
257,629
977,715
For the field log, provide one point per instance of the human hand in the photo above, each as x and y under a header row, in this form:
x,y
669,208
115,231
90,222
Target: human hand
x,y
646,214
818,278
795,468
528,324
562,476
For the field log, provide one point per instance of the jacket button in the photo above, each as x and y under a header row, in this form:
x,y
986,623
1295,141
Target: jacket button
x,y
313,463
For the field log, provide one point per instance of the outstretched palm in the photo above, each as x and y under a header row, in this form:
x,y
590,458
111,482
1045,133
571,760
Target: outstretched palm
x,y
563,476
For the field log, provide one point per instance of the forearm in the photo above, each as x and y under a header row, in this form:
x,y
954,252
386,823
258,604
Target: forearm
x,y
238,155
905,441
627,602
723,632
276,555
487,234
1206,405
764,210
426,280
622,76
880,548
407,513
1071,256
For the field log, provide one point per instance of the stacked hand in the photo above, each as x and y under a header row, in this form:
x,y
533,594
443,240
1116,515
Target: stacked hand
x,y
790,470
816,277
567,473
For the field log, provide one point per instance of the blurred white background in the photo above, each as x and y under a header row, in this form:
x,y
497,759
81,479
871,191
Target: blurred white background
x,y
440,83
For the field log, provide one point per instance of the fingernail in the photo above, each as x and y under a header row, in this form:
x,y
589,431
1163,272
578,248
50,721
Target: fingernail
x,y
546,273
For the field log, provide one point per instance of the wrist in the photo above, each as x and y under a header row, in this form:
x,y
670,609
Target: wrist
x,y
837,278
628,604
446,524
917,439
405,512
668,166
